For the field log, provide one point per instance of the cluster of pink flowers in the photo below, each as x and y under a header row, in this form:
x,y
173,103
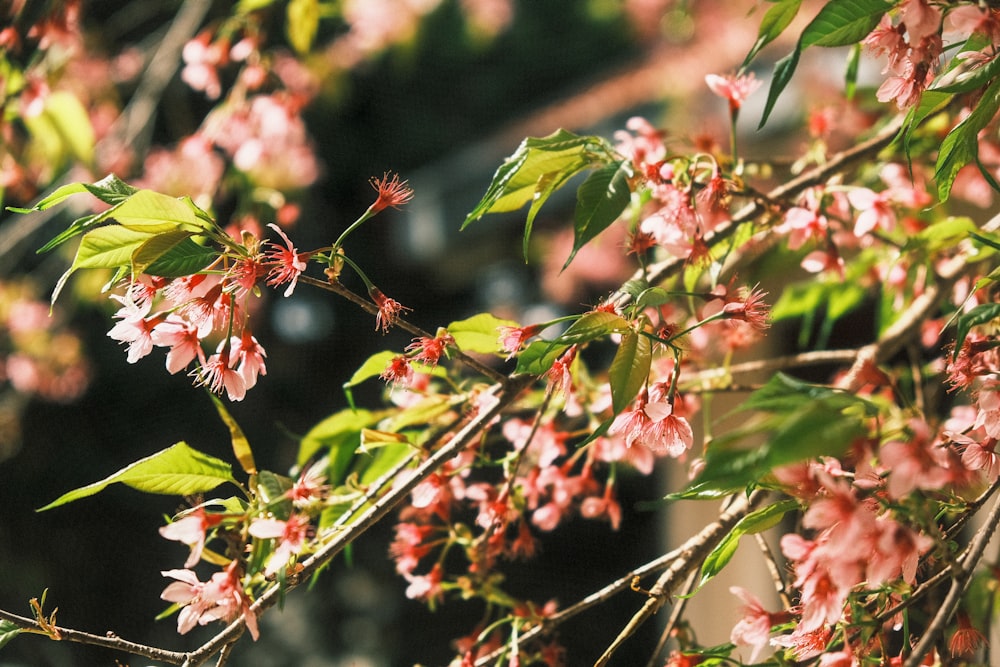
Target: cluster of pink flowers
x,y
912,60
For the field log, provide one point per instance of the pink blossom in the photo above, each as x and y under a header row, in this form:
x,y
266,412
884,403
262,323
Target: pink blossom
x,y
392,193
513,338
876,211
801,225
754,627
604,506
249,354
217,374
426,587
410,545
190,530
736,89
286,262
310,486
389,310
291,535
182,338
220,598
133,328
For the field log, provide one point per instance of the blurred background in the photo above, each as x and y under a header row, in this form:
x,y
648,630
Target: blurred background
x,y
439,91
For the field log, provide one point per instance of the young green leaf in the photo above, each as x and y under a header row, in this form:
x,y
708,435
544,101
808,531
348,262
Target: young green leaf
x,y
783,71
178,470
754,522
338,433
984,313
478,333
303,23
774,22
155,213
599,201
183,258
843,22
961,146
7,632
629,369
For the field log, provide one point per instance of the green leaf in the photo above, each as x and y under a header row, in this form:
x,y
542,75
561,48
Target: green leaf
x,y
984,313
537,357
7,632
629,369
754,522
774,22
71,121
843,22
178,470
783,71
182,259
110,190
538,168
385,459
272,489
593,325
156,213
960,78
479,333
796,421
303,23
599,201
108,247
241,445
961,146
339,434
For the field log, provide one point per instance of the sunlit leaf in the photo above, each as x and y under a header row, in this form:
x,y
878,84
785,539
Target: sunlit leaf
x,y
961,146
754,522
241,445
479,333
156,213
303,23
843,22
178,470
338,434
773,23
629,369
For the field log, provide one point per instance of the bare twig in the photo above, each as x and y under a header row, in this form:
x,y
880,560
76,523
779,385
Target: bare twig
x,y
109,641
675,616
692,553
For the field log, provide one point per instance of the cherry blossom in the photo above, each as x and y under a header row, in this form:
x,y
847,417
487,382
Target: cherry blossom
x,y
286,262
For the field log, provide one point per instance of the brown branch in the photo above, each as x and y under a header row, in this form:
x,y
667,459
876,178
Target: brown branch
x,y
693,552
109,641
962,570
493,403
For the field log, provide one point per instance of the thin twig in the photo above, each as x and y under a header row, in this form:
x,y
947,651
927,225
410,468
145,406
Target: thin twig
x,y
368,306
675,616
772,567
492,403
693,552
963,569
109,641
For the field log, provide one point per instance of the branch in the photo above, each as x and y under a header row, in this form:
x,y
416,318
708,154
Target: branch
x,y
492,404
693,552
110,641
963,570
663,270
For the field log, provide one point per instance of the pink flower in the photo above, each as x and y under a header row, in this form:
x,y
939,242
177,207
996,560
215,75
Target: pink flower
x,y
426,587
876,211
596,507
398,371
389,310
291,536
392,193
751,310
248,353
311,486
736,89
182,338
217,374
190,530
133,328
220,598
287,263
801,225
513,338
430,350
653,424
754,627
